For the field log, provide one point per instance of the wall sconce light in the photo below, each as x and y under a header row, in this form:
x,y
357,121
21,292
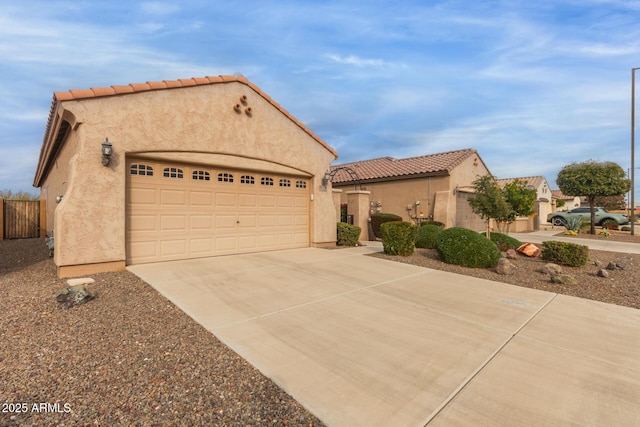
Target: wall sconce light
x,y
325,179
58,199
107,151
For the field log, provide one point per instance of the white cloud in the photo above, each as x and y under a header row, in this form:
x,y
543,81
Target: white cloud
x,y
159,8
356,61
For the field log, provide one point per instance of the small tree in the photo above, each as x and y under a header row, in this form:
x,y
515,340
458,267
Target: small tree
x,y
489,201
20,195
592,179
521,198
612,203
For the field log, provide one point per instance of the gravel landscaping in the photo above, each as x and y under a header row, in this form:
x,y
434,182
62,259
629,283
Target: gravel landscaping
x,y
622,287
129,357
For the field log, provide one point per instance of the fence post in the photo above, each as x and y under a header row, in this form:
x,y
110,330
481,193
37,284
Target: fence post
x,y
1,219
43,218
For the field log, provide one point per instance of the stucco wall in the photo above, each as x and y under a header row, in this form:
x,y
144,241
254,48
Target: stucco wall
x,y
188,122
395,196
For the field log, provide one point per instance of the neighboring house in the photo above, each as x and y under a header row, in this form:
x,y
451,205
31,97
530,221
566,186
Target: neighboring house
x,y
570,202
200,167
543,194
434,186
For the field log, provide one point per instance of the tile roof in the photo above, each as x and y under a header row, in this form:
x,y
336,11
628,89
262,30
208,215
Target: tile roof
x,y
558,194
536,181
79,94
390,167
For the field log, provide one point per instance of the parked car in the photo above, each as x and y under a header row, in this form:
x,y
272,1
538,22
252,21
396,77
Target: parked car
x,y
602,216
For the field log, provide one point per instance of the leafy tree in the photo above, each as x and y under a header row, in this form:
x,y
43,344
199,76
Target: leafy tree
x,y
489,201
521,198
20,195
592,179
560,203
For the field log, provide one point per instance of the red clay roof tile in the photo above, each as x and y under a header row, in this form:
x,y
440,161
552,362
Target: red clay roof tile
x,y
389,167
122,89
140,87
102,91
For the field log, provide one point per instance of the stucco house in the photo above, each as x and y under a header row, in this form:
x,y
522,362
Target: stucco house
x,y
199,167
570,202
433,186
543,197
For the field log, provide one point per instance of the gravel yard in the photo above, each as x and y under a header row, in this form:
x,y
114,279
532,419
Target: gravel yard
x,y
622,287
128,357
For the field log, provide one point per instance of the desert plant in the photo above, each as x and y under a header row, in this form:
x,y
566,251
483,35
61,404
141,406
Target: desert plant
x,y
505,242
432,222
573,223
377,219
605,233
610,224
565,253
347,234
398,238
426,236
467,248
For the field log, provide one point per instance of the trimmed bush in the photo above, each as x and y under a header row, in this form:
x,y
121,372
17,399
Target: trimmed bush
x,y
377,219
565,253
426,236
432,222
398,238
625,228
504,242
348,234
610,224
467,248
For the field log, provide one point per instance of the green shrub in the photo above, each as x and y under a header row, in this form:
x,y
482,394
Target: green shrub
x,y
467,248
398,238
377,219
610,224
505,242
625,228
565,253
432,222
426,236
348,234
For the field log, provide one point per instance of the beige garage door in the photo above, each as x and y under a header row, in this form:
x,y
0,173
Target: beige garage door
x,y
178,211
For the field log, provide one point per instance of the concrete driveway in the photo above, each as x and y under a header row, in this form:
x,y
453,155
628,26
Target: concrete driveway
x,y
361,341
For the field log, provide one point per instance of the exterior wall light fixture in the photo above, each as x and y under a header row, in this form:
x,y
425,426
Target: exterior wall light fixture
x,y
107,151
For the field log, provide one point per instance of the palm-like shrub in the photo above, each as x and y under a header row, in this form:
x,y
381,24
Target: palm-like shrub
x,y
573,223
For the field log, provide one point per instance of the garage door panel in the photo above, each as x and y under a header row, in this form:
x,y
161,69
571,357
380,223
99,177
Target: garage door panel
x,y
225,199
169,218
173,197
201,223
201,198
173,223
143,222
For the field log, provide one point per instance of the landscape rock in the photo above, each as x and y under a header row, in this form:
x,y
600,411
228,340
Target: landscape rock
x,y
551,268
564,279
529,249
602,273
615,266
505,267
73,295
512,254
598,264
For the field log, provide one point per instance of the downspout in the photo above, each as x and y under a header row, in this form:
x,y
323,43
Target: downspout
x,y
429,209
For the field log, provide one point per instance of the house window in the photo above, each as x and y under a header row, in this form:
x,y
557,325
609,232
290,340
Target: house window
x,y
247,179
173,173
225,177
301,184
265,180
201,176
285,183
140,169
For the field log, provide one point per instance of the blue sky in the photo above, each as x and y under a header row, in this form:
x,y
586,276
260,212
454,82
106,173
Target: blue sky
x,y
531,85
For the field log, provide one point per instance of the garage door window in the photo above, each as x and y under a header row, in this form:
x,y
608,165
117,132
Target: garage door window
x,y
247,179
201,176
225,177
173,173
301,184
140,169
265,180
285,183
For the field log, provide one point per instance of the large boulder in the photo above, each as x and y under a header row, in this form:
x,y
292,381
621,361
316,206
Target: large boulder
x,y
529,249
551,268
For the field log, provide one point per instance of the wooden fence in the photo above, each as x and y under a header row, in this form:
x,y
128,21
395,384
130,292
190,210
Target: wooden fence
x,y
22,219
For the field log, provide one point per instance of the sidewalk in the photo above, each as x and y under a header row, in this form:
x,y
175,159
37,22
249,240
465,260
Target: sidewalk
x,y
540,236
